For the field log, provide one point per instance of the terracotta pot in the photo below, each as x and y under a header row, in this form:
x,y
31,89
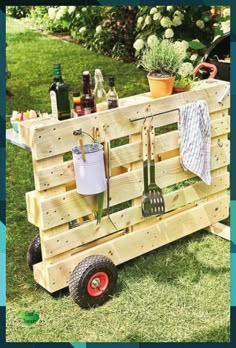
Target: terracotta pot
x,y
160,86
181,89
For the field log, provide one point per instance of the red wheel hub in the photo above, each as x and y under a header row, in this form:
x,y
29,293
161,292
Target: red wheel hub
x,y
97,284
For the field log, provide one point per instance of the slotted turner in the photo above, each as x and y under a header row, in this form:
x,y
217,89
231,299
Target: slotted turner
x,y
145,204
155,193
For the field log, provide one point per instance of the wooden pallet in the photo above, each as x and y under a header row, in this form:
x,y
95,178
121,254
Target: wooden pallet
x,y
55,202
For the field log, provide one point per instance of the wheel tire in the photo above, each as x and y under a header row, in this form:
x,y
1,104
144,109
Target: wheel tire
x,y
34,254
93,268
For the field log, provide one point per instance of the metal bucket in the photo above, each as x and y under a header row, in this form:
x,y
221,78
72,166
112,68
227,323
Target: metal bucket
x,y
89,174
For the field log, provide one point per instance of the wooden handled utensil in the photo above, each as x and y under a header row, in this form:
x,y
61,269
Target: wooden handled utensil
x,y
155,193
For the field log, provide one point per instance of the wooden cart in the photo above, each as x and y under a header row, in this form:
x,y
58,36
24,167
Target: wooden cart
x,y
84,257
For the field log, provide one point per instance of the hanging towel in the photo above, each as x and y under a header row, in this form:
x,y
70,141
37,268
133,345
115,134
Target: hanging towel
x,y
195,139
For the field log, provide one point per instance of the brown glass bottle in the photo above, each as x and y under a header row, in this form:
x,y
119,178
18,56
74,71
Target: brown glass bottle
x,y
87,100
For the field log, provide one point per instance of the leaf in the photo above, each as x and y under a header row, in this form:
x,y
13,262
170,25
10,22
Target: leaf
x,y
195,45
100,200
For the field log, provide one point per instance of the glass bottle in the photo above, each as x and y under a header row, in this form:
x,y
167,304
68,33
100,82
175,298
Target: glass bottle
x,y
77,104
87,100
99,92
59,95
112,96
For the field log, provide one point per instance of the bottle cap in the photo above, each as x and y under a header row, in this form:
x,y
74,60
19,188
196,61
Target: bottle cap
x,y
76,94
85,73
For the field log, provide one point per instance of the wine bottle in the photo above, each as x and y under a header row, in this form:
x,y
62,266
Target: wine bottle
x,y
112,96
87,100
59,95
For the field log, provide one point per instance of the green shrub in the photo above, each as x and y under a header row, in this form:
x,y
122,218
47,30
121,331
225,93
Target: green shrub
x,y
18,11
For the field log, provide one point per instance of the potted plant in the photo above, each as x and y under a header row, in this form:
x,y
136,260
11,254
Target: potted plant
x,y
184,78
162,61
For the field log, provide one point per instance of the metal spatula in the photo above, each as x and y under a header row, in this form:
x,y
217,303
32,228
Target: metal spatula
x,y
155,193
146,204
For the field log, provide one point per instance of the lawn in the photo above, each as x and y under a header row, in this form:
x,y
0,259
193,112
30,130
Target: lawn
x,y
178,293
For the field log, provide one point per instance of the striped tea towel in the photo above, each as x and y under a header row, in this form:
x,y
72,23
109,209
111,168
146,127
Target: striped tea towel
x,y
195,139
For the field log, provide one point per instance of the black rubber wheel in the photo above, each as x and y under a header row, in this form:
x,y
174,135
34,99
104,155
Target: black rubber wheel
x,y
93,281
34,254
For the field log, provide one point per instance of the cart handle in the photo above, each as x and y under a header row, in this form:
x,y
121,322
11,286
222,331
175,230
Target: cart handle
x,y
208,66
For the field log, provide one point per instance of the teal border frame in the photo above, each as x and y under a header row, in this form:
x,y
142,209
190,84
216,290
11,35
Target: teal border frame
x,y
3,159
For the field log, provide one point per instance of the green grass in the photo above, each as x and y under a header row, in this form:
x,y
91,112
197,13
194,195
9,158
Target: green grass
x,y
178,293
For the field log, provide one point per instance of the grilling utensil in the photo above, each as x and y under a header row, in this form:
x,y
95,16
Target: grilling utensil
x,y
146,204
152,198
155,192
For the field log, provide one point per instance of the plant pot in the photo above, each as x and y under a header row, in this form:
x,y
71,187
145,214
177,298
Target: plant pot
x,y
181,89
160,86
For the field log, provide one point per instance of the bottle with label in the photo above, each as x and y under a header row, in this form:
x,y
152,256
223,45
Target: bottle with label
x,y
112,96
87,100
77,104
99,92
59,95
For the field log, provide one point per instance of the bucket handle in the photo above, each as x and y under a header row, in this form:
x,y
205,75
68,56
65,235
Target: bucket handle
x,y
81,132
212,67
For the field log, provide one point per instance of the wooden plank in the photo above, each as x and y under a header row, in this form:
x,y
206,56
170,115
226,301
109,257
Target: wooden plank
x,y
68,239
52,140
25,126
63,173
219,230
142,241
71,205
51,192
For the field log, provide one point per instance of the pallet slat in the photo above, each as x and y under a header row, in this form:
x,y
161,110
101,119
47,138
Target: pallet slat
x,y
68,239
66,207
51,140
119,250
63,173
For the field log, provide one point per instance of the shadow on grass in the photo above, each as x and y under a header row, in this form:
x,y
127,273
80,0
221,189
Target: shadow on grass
x,y
218,334
174,266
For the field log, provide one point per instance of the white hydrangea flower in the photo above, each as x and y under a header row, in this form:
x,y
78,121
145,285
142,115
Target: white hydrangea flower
x,y
181,47
138,44
169,33
98,29
200,24
140,20
185,44
51,13
84,9
157,16
71,9
226,12
152,40
148,20
193,57
170,8
178,13
186,69
177,21
61,12
225,26
82,30
153,10
166,22
77,16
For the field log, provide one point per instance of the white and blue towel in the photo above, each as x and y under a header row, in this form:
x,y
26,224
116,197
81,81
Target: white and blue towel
x,y
195,139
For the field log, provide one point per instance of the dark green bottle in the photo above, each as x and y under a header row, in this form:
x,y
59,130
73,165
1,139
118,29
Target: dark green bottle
x,y
59,95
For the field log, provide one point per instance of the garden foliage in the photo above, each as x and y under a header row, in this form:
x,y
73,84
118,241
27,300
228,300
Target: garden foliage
x,y
123,32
